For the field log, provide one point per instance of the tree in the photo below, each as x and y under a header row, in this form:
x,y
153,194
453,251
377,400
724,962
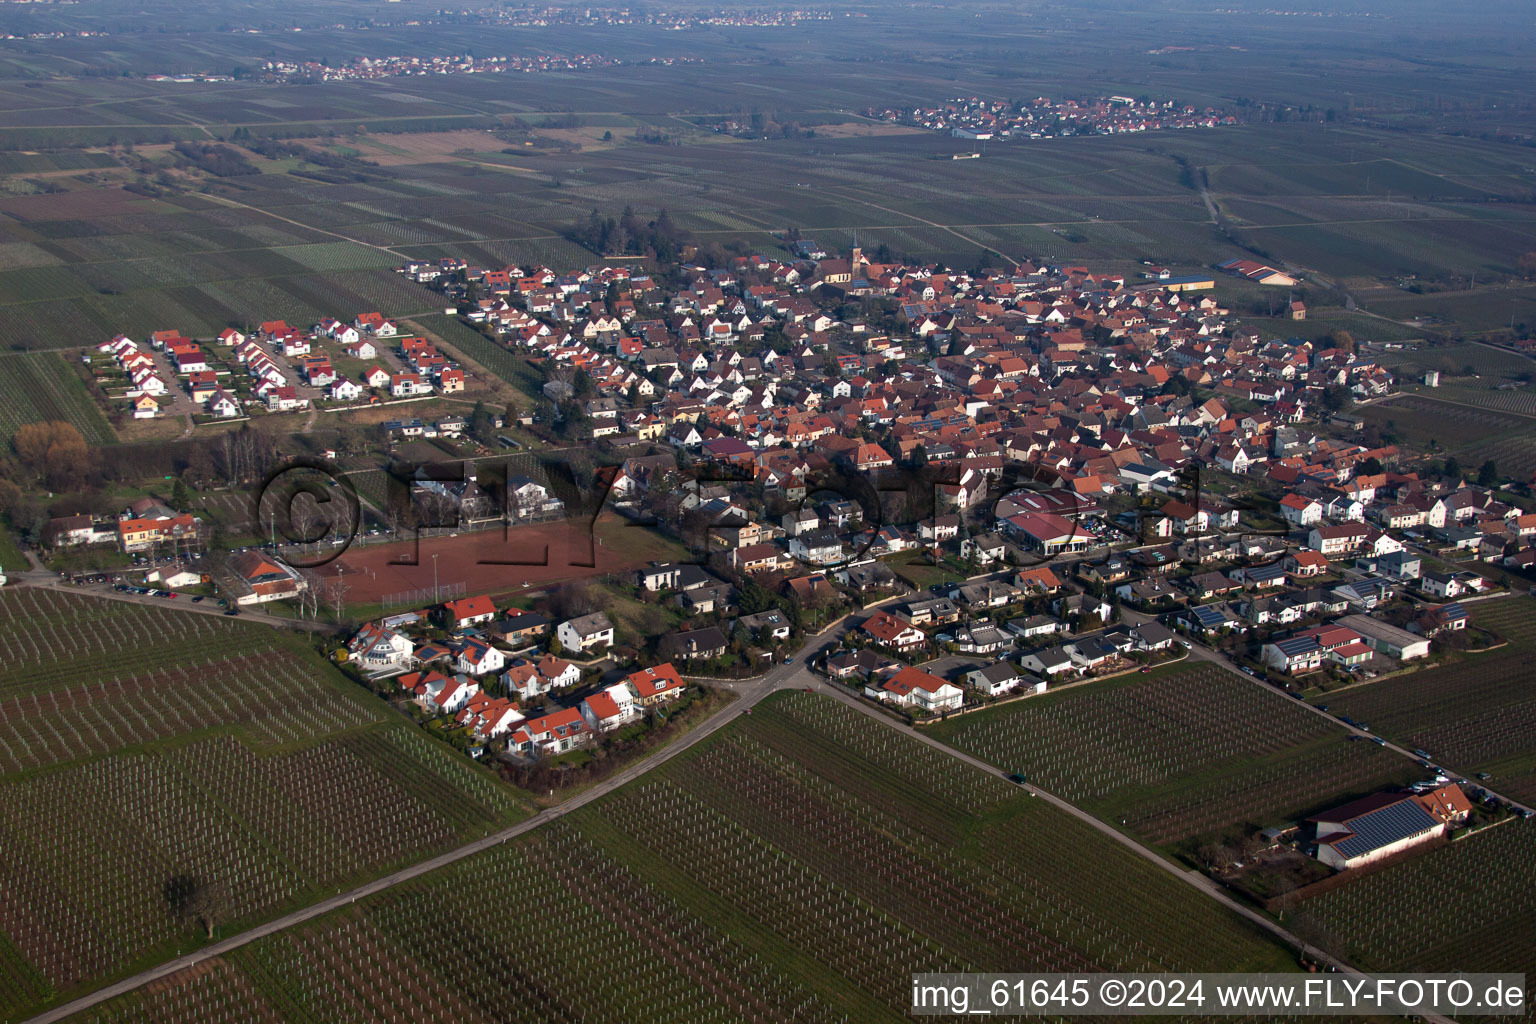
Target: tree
x,y
480,422
1342,340
1370,467
1336,397
572,599
50,449
1311,931
1453,468
181,496
10,496
206,901
1488,474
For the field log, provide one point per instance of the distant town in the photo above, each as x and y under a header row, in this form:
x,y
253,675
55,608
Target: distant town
x,y
970,117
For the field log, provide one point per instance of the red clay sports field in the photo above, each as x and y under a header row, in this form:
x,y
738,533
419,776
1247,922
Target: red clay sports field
x,y
551,552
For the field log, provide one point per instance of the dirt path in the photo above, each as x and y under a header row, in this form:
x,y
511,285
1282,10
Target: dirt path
x,y
930,223
299,224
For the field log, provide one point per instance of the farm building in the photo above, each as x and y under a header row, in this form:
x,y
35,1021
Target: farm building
x,y
1382,824
1387,639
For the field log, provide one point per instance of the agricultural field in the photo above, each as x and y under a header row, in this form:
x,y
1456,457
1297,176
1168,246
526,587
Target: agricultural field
x,y
768,875
1177,756
284,243
1456,361
1514,454
1466,312
1425,422
1464,907
1478,714
1513,618
188,745
41,386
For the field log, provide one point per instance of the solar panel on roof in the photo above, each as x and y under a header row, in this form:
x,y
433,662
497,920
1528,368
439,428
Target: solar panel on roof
x,y
1385,826
1209,616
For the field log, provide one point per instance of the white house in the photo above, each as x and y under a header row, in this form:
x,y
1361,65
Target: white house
x,y
436,693
1300,510
550,734
477,658
914,687
343,390
609,708
377,648
223,405
992,680
585,632
468,611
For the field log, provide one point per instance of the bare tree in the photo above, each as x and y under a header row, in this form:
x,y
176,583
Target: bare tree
x,y
336,590
571,599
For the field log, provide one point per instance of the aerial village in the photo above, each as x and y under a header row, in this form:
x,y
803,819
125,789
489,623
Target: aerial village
x,y
1093,475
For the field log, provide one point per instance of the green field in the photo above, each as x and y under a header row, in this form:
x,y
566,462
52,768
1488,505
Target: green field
x,y
1514,619
798,866
279,244
11,557
1466,907
1422,421
1478,714
1456,361
41,386
185,744
1178,755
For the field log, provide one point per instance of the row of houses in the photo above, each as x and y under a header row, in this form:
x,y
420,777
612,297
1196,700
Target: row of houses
x,y
554,732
